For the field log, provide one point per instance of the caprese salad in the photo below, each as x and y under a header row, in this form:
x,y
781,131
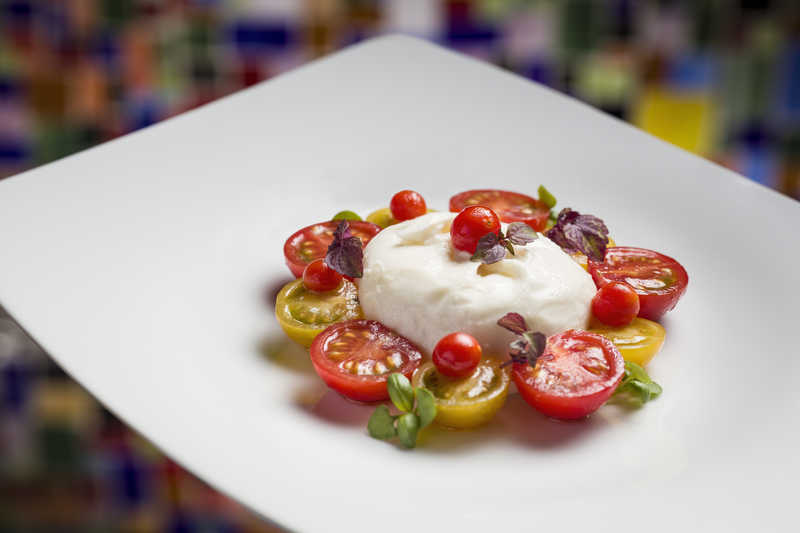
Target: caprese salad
x,y
441,312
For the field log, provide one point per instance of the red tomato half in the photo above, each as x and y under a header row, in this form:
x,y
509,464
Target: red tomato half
x,y
575,375
311,242
659,280
509,206
356,357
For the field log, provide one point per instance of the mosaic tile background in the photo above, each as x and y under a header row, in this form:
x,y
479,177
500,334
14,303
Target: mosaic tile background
x,y
719,78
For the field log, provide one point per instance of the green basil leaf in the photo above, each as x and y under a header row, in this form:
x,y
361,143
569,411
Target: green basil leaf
x,y
401,392
407,429
381,424
547,197
426,407
636,388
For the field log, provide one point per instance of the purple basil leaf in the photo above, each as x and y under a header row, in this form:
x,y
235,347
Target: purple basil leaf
x,y
574,232
345,254
342,231
537,342
513,322
489,249
520,233
518,350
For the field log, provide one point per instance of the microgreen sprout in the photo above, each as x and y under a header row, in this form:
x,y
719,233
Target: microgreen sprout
x,y
636,387
384,425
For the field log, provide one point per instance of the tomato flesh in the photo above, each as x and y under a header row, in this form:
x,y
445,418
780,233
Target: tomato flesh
x,y
303,314
509,206
311,242
660,281
575,375
467,402
356,357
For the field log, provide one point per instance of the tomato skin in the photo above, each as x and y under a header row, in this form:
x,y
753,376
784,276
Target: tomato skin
x,y
370,341
456,355
470,225
310,243
659,280
319,277
559,385
407,204
509,206
615,304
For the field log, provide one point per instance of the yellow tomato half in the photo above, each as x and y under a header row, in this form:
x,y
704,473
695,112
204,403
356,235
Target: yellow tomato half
x,y
467,402
304,314
382,217
638,342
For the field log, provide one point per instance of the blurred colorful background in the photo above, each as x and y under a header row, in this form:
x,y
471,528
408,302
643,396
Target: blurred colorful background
x,y
718,78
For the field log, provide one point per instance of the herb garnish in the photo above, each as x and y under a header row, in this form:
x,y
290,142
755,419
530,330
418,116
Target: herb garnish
x,y
528,346
574,232
345,254
636,387
383,425
492,246
549,200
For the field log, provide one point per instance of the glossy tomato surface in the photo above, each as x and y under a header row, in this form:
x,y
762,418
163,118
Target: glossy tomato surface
x,y
575,375
659,280
311,242
407,204
509,206
319,277
637,342
456,355
467,402
470,225
615,304
356,357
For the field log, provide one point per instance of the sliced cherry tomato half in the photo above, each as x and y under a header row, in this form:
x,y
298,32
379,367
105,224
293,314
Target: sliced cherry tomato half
x,y
659,280
509,206
303,314
575,375
356,357
466,402
311,242
637,342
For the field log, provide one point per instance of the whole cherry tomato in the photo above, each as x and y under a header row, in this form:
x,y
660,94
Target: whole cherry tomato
x,y
456,355
406,205
615,304
319,277
470,225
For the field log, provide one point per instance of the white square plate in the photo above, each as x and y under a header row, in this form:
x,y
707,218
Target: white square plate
x,y
145,267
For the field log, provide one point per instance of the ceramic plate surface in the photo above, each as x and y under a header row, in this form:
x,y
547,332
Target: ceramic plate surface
x,y
146,267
